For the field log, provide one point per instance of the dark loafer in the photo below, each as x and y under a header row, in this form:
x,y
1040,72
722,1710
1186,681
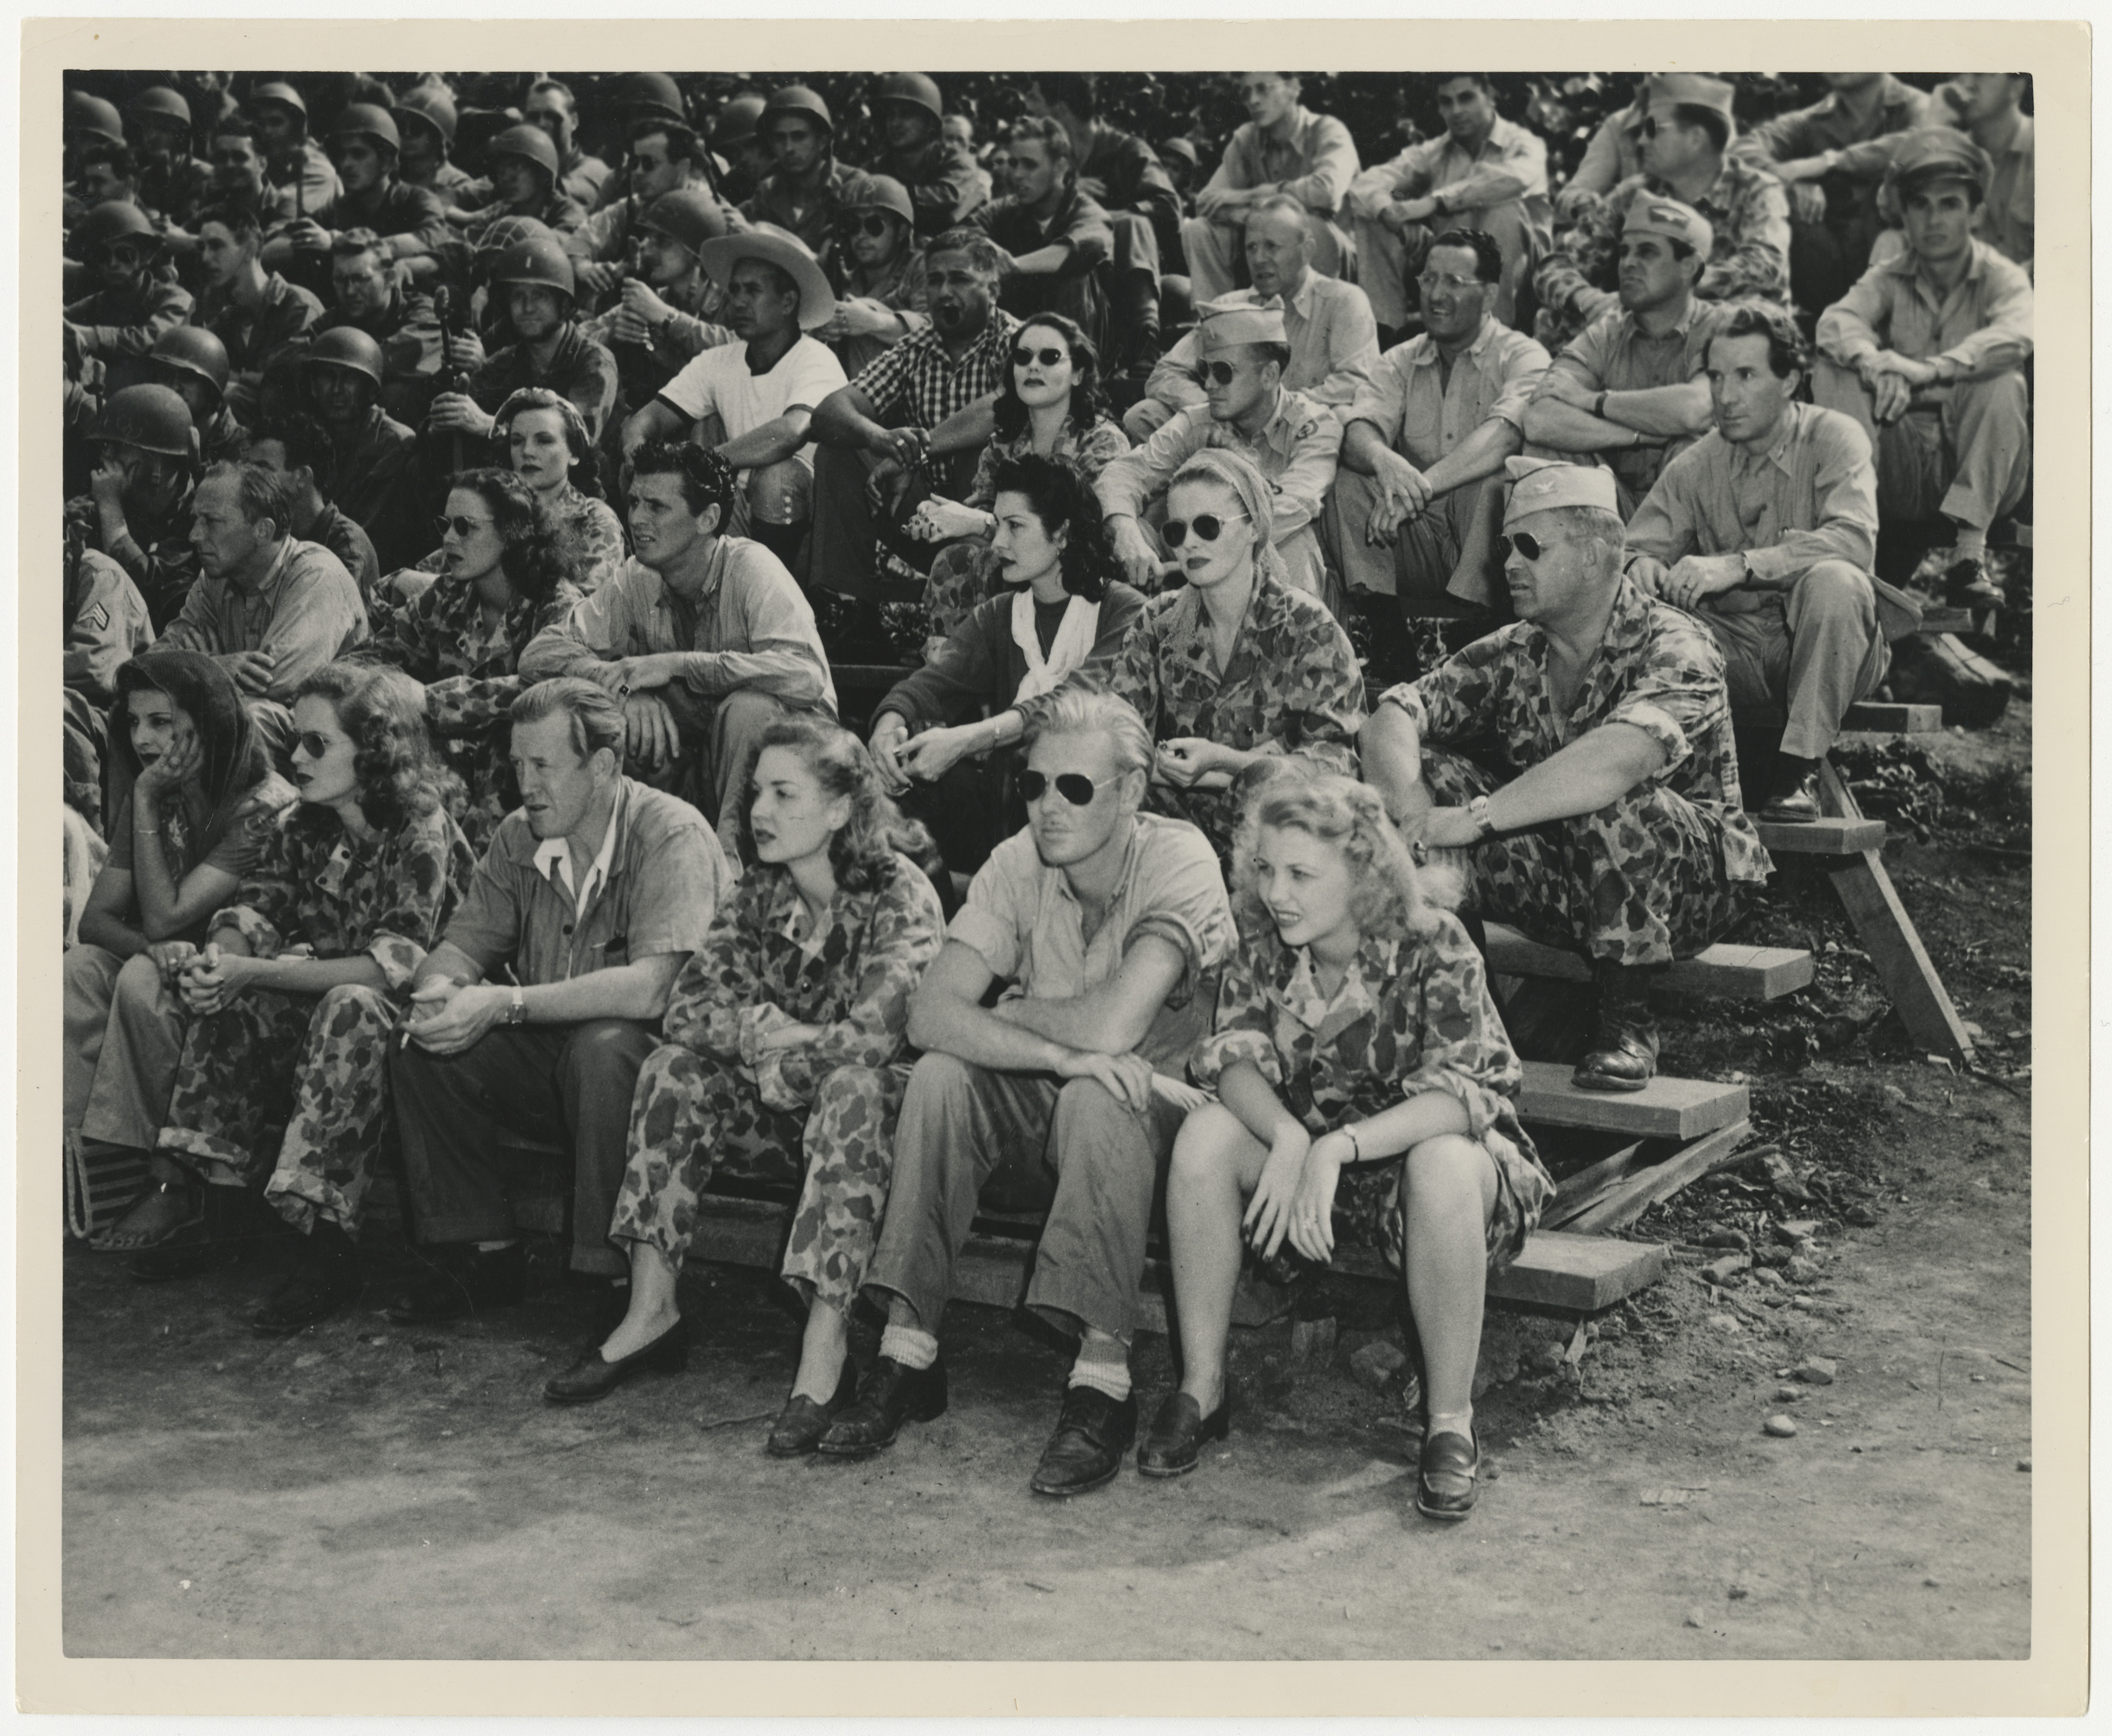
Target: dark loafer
x,y
1091,1436
1967,583
326,1279
1796,804
1447,1456
1179,1432
1628,1064
893,1395
463,1282
593,1376
800,1425
222,1235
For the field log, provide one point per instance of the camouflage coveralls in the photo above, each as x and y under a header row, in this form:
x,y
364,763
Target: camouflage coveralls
x,y
437,639
964,572
314,1065
1412,1016
1657,874
1748,210
709,1097
1292,686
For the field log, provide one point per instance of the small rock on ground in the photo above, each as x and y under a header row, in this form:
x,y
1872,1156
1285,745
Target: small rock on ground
x,y
1781,1426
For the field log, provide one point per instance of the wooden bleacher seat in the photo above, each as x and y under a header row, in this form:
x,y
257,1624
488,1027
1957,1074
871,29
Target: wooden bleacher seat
x,y
1735,971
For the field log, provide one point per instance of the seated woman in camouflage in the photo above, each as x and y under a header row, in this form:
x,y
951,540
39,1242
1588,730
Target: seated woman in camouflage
x,y
504,580
1050,405
781,1060
1237,666
941,733
294,1000
1354,1029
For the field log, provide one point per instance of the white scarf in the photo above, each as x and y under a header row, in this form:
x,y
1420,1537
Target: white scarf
x,y
1074,642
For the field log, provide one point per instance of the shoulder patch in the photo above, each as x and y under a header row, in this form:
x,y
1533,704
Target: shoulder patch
x,y
98,617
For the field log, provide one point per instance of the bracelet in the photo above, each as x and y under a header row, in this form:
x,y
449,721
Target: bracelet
x,y
1356,1149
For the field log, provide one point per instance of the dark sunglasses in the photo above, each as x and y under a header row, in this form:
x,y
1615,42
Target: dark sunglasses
x,y
872,223
461,526
1207,527
314,746
1075,787
1525,543
1046,357
1223,373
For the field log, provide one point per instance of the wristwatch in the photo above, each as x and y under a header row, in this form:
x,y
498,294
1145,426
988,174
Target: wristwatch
x,y
1478,810
516,1011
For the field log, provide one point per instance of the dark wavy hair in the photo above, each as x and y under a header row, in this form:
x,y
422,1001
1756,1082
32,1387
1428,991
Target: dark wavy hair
x,y
383,710
1787,352
235,758
530,559
706,478
876,831
1064,500
1088,398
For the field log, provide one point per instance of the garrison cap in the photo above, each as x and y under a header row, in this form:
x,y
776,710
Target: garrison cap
x,y
1939,154
1219,325
1690,89
1656,214
1542,484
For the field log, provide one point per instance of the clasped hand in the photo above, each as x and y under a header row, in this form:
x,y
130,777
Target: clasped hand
x,y
1295,1196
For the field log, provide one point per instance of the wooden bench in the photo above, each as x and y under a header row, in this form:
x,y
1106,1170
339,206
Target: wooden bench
x,y
1729,972
1885,718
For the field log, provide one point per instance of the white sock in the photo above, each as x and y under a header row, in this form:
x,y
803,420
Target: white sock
x,y
1460,1423
910,1345
1102,1365
1969,545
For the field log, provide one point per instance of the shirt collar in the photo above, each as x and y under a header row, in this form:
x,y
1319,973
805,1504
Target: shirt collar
x,y
553,856
1423,350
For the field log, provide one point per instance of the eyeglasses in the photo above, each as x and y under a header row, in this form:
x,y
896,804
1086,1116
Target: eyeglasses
x,y
1526,546
1075,787
1431,283
461,526
872,223
1207,527
1223,373
1046,357
314,746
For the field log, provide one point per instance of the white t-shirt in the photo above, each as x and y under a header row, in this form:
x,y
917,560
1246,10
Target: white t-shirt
x,y
718,380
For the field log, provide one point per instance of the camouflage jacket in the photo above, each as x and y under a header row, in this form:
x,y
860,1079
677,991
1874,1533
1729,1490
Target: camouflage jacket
x,y
313,886
754,975
1748,209
1657,668
1411,1016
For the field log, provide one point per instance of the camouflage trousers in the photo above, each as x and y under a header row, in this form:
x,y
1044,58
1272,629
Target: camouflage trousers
x,y
693,1114
293,1088
1639,881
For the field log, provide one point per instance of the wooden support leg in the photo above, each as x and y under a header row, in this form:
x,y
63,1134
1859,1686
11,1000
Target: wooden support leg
x,y
1888,935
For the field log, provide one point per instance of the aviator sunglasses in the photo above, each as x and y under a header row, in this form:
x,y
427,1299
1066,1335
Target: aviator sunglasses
x,y
1207,527
1219,373
1075,787
1527,544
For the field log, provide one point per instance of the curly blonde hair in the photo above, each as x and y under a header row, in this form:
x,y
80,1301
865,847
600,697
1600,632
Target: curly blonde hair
x,y
1394,898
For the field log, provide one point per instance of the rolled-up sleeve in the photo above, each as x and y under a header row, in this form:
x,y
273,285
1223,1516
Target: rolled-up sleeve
x,y
1457,701
1465,1052
1525,366
1183,901
1677,696
1130,482
1383,401
999,900
1245,1026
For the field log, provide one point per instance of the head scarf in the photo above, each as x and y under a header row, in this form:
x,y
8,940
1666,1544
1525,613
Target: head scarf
x,y
1257,499
234,757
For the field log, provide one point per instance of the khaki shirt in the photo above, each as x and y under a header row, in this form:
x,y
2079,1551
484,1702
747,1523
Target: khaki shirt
x,y
306,614
1423,420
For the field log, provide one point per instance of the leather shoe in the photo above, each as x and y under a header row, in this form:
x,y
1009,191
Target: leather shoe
x,y
1967,583
1178,1433
593,1376
802,1422
1091,1436
464,1280
326,1279
892,1394
1449,1456
1795,801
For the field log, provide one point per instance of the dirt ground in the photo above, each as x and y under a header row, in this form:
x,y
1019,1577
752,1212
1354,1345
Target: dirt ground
x,y
368,1490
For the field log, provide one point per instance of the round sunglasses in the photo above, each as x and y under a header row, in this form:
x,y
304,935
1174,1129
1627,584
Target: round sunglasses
x,y
1524,542
1075,787
1207,527
314,746
1219,373
872,223
1046,357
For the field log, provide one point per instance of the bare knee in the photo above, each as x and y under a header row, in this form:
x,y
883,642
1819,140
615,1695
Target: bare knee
x,y
1206,1142
1446,1168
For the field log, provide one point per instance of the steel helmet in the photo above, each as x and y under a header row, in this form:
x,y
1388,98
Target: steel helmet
x,y
111,221
369,121
913,88
279,91
88,114
881,193
688,215
192,349
797,99
736,121
151,418
530,143
537,260
431,105
510,231
348,347
163,102
643,93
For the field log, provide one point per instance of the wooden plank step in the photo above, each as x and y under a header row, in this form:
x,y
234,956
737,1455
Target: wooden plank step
x,y
1821,837
1941,618
1885,717
1727,972
1621,1206
1580,1273
1664,1109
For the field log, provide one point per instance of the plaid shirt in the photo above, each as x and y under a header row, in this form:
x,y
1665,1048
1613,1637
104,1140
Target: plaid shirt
x,y
918,385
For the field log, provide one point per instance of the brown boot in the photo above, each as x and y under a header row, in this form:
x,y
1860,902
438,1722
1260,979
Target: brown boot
x,y
1623,1055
